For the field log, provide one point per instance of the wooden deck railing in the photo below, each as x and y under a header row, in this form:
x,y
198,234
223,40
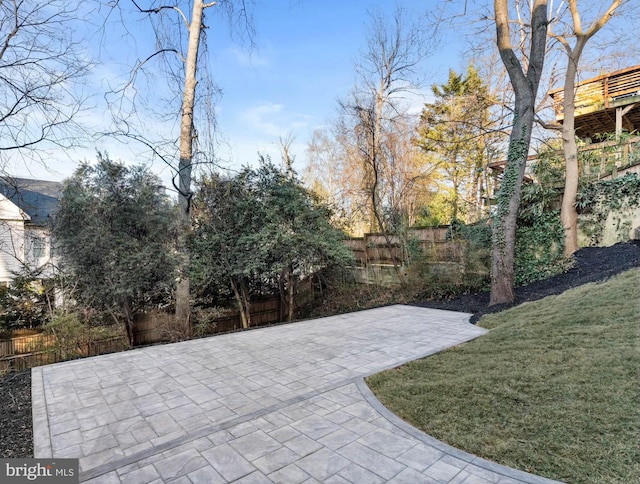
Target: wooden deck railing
x,y
603,92
610,159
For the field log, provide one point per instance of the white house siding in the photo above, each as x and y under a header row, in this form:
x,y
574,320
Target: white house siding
x,y
11,249
12,221
38,253
22,244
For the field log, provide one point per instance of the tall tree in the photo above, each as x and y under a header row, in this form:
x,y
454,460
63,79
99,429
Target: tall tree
x,y
180,38
387,69
41,64
568,214
183,292
524,76
454,127
114,230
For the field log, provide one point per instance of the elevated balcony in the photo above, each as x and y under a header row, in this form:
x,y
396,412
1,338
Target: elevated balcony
x,y
596,161
604,104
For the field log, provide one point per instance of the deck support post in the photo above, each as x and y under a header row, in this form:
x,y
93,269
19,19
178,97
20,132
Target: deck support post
x,y
620,112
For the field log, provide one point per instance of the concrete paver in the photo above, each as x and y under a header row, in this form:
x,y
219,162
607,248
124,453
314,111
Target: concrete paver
x,y
281,404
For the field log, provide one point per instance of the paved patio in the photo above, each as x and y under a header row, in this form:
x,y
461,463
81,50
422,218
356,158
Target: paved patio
x,y
284,404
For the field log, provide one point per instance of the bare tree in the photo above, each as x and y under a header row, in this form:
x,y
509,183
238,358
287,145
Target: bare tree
x,y
285,144
568,214
386,72
41,65
180,44
524,75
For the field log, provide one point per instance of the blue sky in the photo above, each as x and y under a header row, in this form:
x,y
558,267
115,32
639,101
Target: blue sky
x,y
287,84
303,63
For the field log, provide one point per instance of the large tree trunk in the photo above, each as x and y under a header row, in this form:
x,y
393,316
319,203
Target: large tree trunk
x,y
525,86
568,213
183,303
504,223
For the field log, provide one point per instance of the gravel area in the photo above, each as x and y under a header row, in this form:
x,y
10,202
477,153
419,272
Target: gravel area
x,y
592,264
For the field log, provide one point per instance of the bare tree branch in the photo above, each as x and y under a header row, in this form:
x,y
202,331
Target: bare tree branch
x,y
41,67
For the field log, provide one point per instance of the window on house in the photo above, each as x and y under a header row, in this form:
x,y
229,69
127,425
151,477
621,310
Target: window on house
x,y
39,247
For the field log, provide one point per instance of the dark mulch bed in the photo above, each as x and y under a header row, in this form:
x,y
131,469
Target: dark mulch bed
x,y
591,265
16,432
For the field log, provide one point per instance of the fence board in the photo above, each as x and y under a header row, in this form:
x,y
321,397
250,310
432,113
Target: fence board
x,y
6,348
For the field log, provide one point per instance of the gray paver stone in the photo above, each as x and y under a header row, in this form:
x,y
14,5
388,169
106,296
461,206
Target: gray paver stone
x,y
443,471
371,460
143,475
206,475
255,445
229,463
411,476
290,474
323,464
353,473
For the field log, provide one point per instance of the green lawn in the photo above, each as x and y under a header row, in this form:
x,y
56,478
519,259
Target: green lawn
x,y
553,389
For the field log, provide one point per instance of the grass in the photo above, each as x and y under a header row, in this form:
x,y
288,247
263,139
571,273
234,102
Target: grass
x,y
553,389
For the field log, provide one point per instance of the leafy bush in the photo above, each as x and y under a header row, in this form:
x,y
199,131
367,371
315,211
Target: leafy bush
x,y
23,304
259,232
74,334
114,228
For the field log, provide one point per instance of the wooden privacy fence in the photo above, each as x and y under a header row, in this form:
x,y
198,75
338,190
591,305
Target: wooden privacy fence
x,y
373,248
156,327
374,256
24,352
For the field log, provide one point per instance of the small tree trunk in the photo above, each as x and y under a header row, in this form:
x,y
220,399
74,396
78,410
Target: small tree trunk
x,y
240,303
291,291
128,319
281,292
246,302
456,187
